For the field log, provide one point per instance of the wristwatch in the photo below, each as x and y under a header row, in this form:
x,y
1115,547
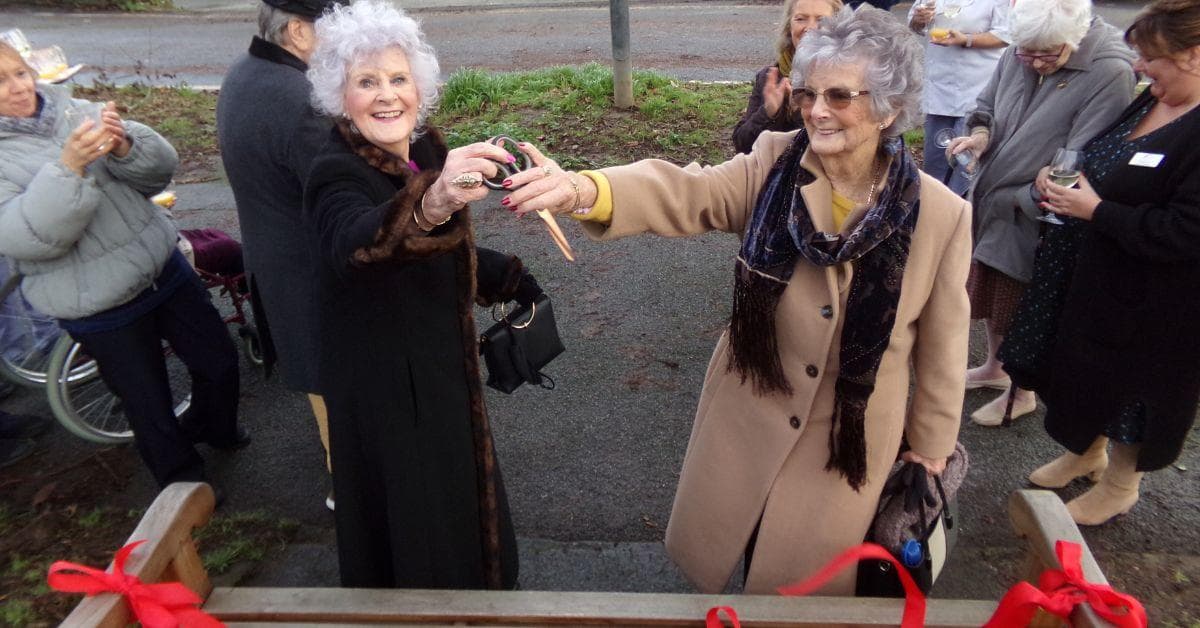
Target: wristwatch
x,y
970,40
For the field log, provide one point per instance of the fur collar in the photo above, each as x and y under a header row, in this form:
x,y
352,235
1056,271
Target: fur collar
x,y
427,152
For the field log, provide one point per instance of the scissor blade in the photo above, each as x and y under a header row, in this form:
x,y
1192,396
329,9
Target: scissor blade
x,y
557,234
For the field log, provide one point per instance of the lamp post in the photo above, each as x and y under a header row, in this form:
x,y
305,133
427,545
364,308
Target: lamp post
x,y
622,67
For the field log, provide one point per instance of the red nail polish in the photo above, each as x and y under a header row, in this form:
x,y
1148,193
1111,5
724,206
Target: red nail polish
x,y
507,182
504,201
522,144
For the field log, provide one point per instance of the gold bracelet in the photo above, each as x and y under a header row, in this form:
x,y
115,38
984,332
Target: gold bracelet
x,y
575,186
419,215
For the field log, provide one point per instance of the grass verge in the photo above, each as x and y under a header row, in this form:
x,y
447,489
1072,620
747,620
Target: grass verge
x,y
128,6
566,111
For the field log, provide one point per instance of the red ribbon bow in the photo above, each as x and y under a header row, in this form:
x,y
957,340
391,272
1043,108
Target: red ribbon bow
x,y
165,605
914,600
1060,591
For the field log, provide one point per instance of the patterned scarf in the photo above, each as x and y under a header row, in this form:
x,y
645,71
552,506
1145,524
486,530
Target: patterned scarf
x,y
781,231
41,123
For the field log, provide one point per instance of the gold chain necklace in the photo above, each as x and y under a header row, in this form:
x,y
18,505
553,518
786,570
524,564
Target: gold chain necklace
x,y
875,181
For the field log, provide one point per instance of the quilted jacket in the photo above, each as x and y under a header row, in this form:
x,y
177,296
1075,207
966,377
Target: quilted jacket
x,y
85,244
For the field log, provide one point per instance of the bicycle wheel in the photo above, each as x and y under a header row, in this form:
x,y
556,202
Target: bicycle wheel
x,y
85,406
26,337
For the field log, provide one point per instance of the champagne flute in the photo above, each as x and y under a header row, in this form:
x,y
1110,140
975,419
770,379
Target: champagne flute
x,y
965,161
1064,171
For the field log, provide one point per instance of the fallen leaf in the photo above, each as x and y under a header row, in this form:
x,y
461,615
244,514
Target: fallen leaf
x,y
43,494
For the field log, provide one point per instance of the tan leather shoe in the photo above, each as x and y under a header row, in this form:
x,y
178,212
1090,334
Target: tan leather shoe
x,y
1115,493
1064,469
991,413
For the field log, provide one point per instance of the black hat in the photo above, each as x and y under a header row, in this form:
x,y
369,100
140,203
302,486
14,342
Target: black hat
x,y
305,8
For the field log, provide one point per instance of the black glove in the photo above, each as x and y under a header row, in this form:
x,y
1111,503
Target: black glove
x,y
527,290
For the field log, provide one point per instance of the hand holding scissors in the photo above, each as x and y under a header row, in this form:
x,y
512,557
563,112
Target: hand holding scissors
x,y
538,174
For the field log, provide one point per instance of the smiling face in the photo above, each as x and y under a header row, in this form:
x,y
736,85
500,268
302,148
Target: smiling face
x,y
852,132
805,15
1173,80
381,100
18,96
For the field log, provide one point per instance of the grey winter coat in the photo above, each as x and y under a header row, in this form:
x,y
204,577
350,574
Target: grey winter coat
x,y
1030,117
85,244
269,134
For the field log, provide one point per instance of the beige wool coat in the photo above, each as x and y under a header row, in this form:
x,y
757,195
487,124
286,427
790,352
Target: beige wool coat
x,y
751,455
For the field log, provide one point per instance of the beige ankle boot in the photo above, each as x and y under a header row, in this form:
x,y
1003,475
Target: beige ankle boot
x,y
1115,494
1065,468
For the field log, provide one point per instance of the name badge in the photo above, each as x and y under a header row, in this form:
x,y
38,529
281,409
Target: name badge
x,y
1146,160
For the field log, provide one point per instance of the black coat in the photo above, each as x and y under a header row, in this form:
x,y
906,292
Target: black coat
x,y
1130,329
420,501
755,119
269,135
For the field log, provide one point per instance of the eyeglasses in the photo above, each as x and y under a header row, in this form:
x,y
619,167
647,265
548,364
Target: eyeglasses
x,y
1029,57
835,97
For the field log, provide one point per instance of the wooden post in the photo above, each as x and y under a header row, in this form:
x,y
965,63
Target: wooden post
x,y
622,67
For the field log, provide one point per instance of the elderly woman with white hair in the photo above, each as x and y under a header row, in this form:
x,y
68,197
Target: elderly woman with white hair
x,y
420,502
1067,76
849,281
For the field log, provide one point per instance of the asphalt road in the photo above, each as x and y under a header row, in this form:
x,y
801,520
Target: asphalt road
x,y
591,466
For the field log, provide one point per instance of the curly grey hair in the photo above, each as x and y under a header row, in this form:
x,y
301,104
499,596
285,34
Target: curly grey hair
x,y
350,34
1046,24
893,57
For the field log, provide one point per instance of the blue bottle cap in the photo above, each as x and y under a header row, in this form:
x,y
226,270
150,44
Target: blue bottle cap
x,y
911,554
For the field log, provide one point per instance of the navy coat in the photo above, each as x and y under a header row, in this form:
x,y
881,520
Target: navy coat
x,y
269,134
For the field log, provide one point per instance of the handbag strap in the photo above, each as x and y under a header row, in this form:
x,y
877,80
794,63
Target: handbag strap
x,y
914,600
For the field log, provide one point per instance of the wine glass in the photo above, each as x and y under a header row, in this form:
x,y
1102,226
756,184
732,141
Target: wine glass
x,y
1064,170
965,161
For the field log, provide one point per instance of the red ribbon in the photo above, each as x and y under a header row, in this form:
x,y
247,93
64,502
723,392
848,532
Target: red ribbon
x,y
914,600
1060,591
166,605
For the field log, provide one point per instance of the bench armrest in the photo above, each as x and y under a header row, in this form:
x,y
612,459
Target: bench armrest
x,y
168,554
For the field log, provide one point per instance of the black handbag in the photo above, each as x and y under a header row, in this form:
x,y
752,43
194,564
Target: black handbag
x,y
520,345
916,528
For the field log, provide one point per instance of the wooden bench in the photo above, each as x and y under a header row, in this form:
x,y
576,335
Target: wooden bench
x,y
170,555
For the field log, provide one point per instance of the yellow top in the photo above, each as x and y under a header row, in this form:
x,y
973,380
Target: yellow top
x,y
601,210
842,207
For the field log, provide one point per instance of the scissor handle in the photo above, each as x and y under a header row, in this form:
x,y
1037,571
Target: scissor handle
x,y
507,170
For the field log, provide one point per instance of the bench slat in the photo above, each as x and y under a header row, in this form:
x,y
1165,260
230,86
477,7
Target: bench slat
x,y
559,608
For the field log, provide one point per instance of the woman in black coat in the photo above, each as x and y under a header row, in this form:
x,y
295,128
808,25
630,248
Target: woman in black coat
x,y
420,503
1125,365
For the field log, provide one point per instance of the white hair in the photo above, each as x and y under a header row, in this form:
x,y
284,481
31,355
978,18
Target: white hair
x,y
1047,24
348,35
893,60
272,24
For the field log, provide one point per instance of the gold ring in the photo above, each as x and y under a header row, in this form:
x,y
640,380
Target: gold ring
x,y
467,181
547,171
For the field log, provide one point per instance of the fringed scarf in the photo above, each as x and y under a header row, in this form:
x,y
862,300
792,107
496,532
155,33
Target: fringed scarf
x,y
780,231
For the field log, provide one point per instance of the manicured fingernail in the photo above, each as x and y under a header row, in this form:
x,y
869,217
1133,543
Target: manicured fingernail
x,y
522,144
507,182
504,201
512,160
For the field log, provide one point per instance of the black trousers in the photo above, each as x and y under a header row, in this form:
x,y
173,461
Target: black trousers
x,y
132,363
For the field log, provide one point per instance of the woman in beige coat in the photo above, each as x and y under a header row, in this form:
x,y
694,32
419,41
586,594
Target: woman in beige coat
x,y
843,292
